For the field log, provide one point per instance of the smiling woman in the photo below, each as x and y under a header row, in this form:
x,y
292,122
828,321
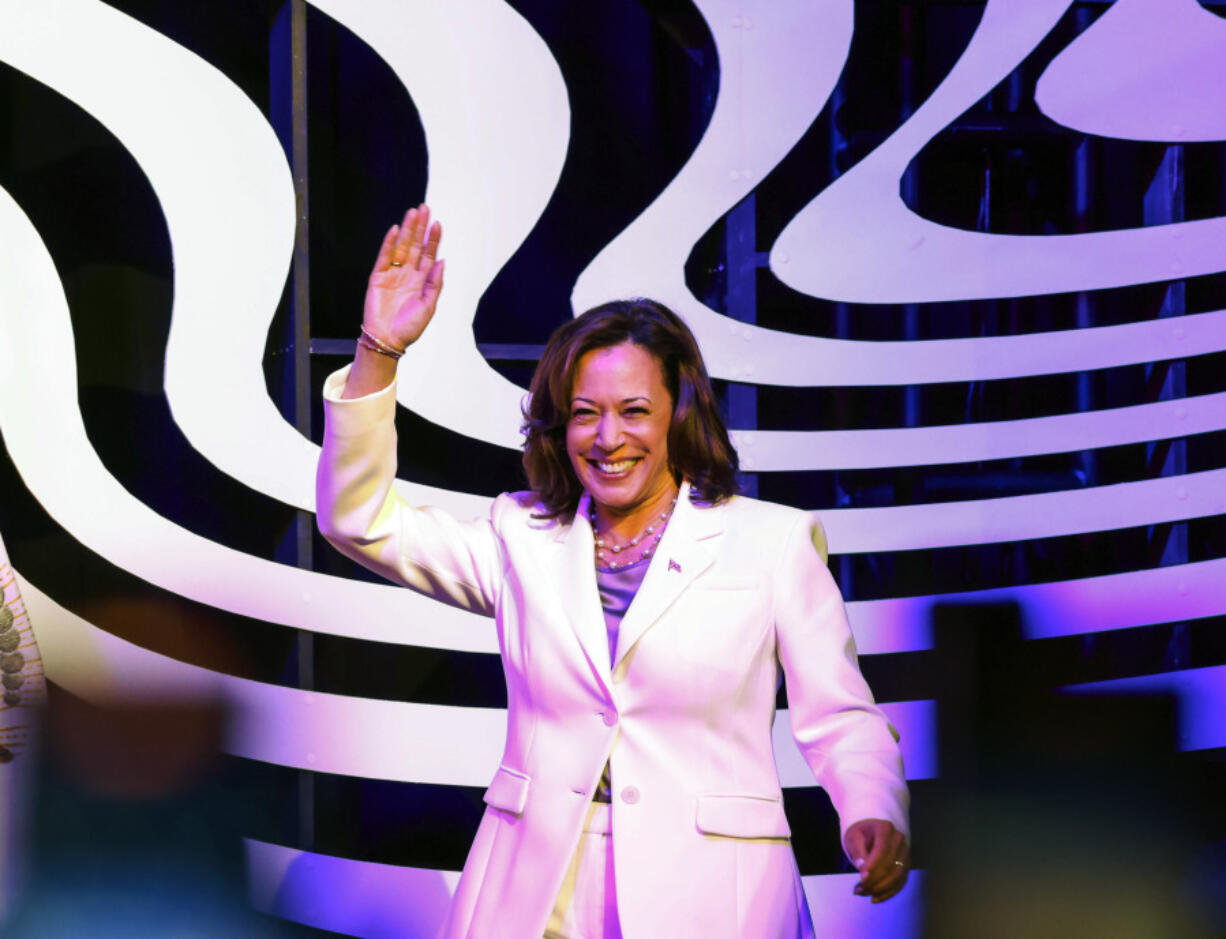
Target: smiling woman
x,y
644,611
624,382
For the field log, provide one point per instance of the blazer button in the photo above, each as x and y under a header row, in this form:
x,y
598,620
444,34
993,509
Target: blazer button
x,y
630,795
609,718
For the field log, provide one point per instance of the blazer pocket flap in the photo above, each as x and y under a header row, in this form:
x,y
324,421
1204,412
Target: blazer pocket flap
x,y
742,816
508,791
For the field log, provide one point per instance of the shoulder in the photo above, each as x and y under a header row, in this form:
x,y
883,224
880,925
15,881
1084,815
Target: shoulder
x,y
523,511
777,523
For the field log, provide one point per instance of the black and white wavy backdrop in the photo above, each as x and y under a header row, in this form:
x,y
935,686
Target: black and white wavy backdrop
x,y
958,268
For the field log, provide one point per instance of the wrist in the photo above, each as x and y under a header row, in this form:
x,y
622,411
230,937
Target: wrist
x,y
370,372
369,339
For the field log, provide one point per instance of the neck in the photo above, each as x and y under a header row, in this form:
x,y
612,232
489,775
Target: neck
x,y
627,523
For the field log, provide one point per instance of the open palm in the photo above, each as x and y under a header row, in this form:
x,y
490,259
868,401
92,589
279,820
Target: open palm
x,y
404,286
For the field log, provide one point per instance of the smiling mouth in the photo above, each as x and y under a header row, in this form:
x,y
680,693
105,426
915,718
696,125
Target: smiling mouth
x,y
614,467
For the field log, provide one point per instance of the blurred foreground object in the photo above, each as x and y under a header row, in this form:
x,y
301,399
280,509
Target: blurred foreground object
x,y
24,693
136,825
1062,814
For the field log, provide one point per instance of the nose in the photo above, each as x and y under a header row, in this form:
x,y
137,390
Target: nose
x,y
609,433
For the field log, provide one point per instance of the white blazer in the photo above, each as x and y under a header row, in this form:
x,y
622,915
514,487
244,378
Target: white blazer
x,y
733,593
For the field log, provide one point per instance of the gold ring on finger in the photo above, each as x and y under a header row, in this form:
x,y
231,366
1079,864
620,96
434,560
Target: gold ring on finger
x,y
397,264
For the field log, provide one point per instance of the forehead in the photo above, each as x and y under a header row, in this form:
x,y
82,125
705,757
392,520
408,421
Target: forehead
x,y
625,370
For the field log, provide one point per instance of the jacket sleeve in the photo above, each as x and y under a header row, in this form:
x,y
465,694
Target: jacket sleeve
x,y
844,737
358,511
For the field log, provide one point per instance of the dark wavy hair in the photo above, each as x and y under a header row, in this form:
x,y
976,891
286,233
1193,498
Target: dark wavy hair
x,y
698,446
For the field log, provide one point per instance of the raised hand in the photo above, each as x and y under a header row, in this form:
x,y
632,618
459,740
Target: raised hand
x,y
400,299
404,286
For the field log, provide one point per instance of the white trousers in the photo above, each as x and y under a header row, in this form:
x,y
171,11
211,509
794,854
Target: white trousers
x,y
586,907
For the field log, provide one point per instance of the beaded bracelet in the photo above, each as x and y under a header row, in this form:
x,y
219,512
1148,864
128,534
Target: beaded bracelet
x,y
375,344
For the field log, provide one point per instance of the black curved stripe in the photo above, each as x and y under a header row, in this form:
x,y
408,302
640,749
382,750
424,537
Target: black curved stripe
x,y
164,622
112,252
866,107
169,624
127,606
862,111
641,79
428,826
432,826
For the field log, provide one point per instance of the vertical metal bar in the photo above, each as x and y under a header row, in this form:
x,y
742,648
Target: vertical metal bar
x,y
907,72
1083,185
741,259
302,267
1164,204
301,338
842,311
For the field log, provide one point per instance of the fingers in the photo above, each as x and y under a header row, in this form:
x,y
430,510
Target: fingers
x,y
894,881
417,237
402,250
881,854
384,258
873,868
858,845
433,236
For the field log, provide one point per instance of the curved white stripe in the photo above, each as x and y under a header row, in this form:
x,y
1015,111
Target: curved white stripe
x,y
1019,518
373,900
969,443
858,241
347,735
45,437
778,66
791,59
1146,70
769,357
221,179
1060,608
496,116
47,442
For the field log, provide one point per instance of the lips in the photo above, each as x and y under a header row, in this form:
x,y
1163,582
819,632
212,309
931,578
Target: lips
x,y
614,468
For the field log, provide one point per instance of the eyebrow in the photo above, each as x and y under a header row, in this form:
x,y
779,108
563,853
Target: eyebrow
x,y
576,400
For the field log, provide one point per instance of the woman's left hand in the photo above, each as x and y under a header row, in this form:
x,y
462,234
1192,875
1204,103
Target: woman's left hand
x,y
881,855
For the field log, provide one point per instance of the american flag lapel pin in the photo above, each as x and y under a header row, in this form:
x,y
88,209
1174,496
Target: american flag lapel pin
x,y
674,566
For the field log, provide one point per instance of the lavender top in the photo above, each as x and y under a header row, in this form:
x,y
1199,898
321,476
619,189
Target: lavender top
x,y
617,589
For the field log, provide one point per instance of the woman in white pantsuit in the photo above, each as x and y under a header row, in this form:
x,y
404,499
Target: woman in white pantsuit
x,y
644,611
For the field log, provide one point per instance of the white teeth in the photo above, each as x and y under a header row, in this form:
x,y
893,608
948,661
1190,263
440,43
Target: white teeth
x,y
614,468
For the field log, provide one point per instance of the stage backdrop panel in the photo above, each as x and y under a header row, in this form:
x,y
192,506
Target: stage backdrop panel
x,y
957,269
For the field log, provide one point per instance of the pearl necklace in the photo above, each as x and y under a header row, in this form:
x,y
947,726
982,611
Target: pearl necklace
x,y
653,532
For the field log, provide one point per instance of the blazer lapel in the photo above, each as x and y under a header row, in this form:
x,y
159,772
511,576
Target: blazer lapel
x,y
679,558
579,595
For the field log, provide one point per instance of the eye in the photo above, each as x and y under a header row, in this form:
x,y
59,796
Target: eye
x,y
636,410
582,414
